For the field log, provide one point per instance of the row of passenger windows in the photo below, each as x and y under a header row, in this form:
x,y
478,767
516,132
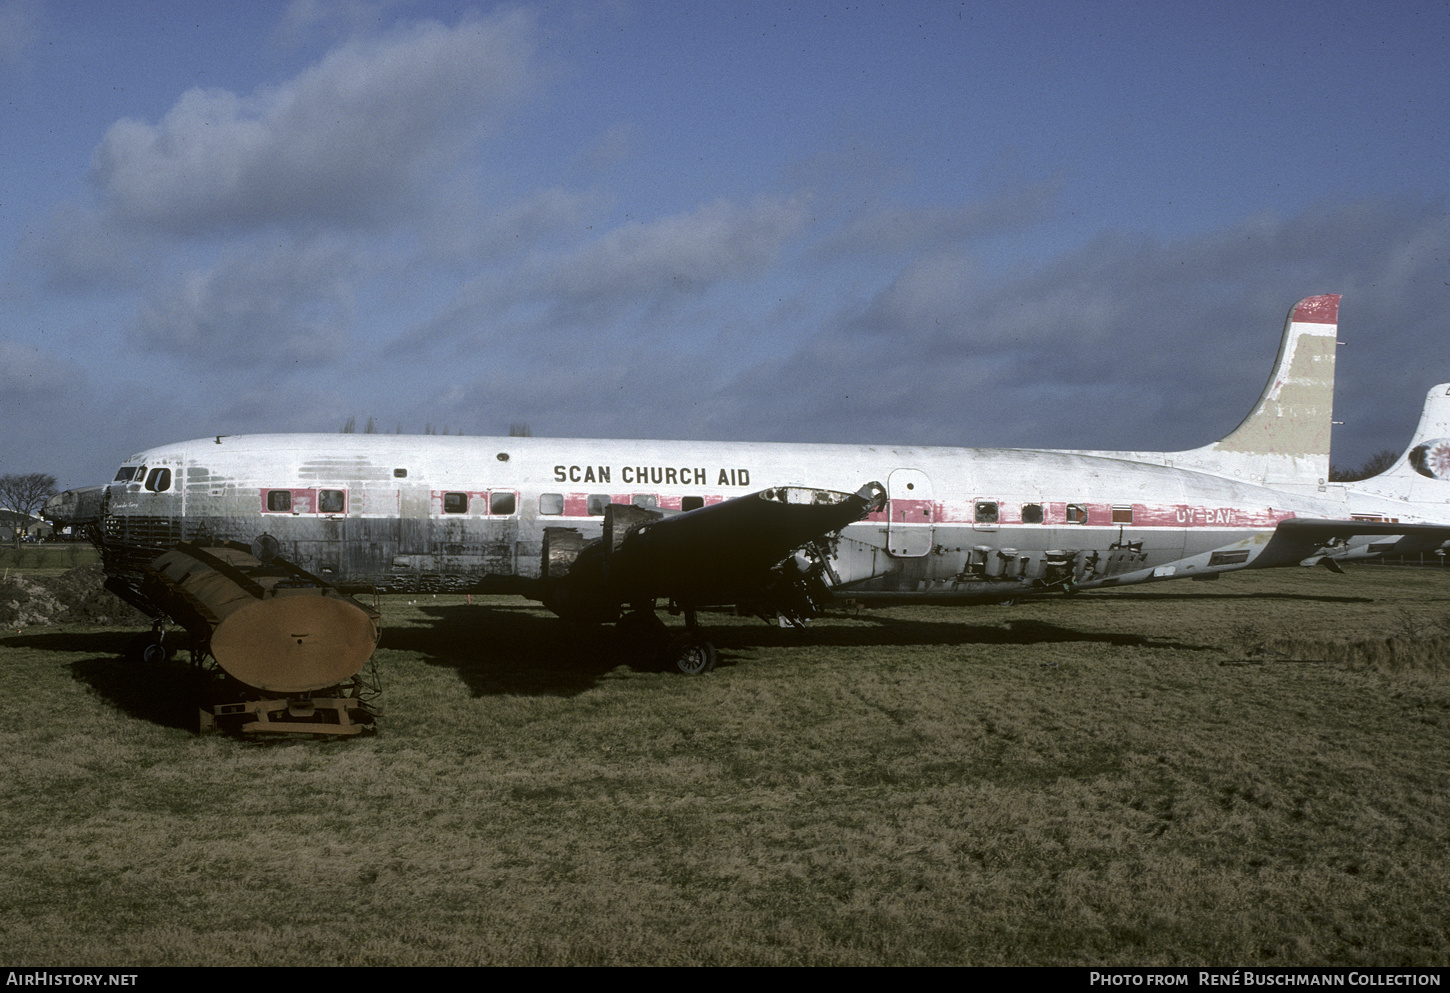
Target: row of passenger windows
x,y
554,504
502,503
988,512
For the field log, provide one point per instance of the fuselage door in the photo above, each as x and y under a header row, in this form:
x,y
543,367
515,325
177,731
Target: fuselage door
x,y
910,513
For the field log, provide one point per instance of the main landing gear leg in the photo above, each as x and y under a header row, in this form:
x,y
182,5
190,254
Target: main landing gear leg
x,y
153,646
640,628
691,652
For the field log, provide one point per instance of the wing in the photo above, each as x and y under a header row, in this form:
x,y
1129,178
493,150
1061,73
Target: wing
x,y
1301,538
726,553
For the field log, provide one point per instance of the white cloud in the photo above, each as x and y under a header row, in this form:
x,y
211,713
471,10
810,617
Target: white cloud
x,y
284,306
638,268
888,228
352,140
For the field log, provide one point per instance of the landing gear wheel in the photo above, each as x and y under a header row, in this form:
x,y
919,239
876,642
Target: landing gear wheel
x,y
150,648
692,654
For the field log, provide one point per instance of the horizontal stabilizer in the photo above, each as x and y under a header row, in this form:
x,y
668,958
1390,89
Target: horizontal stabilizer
x,y
1299,538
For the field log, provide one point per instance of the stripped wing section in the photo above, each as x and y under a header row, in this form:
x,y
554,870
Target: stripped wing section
x,y
734,552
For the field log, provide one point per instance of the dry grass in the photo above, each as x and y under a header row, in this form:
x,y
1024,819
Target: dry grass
x,y
1247,772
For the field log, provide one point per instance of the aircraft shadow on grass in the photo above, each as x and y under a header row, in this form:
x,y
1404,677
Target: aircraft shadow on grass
x,y
159,692
525,651
1142,596
505,649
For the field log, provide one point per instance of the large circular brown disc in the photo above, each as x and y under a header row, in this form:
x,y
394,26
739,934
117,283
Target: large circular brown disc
x,y
294,644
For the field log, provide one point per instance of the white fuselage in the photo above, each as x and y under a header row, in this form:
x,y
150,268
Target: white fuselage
x,y
407,513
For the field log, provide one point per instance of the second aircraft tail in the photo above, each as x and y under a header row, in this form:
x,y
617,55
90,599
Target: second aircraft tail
x,y
1422,472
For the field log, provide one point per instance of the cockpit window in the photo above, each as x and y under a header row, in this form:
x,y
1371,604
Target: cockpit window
x,y
125,474
159,481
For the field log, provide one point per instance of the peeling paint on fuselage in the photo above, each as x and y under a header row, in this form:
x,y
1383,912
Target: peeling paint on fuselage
x,y
467,514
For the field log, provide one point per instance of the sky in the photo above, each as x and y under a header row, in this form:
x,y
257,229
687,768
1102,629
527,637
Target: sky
x,y
1055,225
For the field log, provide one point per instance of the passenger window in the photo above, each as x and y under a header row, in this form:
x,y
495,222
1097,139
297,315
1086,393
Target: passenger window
x,y
1032,513
279,501
551,504
1076,514
400,473
986,512
501,503
455,503
596,504
692,503
159,481
646,500
1122,515
331,502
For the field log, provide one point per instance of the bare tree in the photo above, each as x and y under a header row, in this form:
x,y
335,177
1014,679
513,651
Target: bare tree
x,y
520,429
1373,466
350,426
23,494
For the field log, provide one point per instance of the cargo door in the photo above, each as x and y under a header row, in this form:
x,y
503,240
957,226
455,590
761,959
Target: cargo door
x,y
910,513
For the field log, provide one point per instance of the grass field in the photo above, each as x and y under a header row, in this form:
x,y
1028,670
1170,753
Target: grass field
x,y
1246,772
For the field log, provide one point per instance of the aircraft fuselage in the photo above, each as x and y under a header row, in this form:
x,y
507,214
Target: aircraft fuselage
x,y
433,513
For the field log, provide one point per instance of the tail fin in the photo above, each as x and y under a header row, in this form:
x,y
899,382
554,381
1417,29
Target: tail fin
x,y
1422,472
1284,441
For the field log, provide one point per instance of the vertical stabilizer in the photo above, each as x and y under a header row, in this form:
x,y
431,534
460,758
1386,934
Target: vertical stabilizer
x,y
1285,439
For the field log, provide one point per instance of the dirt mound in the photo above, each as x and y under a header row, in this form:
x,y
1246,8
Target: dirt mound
x,y
76,597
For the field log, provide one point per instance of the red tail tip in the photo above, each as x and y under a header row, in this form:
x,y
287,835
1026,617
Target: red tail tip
x,y
1323,309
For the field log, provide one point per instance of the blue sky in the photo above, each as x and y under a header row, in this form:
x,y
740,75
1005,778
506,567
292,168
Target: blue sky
x,y
1055,225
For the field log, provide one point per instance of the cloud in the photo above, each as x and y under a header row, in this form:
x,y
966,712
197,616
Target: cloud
x,y
19,28
30,377
466,229
304,16
353,140
49,404
81,249
891,228
280,307
635,268
617,144
1125,343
